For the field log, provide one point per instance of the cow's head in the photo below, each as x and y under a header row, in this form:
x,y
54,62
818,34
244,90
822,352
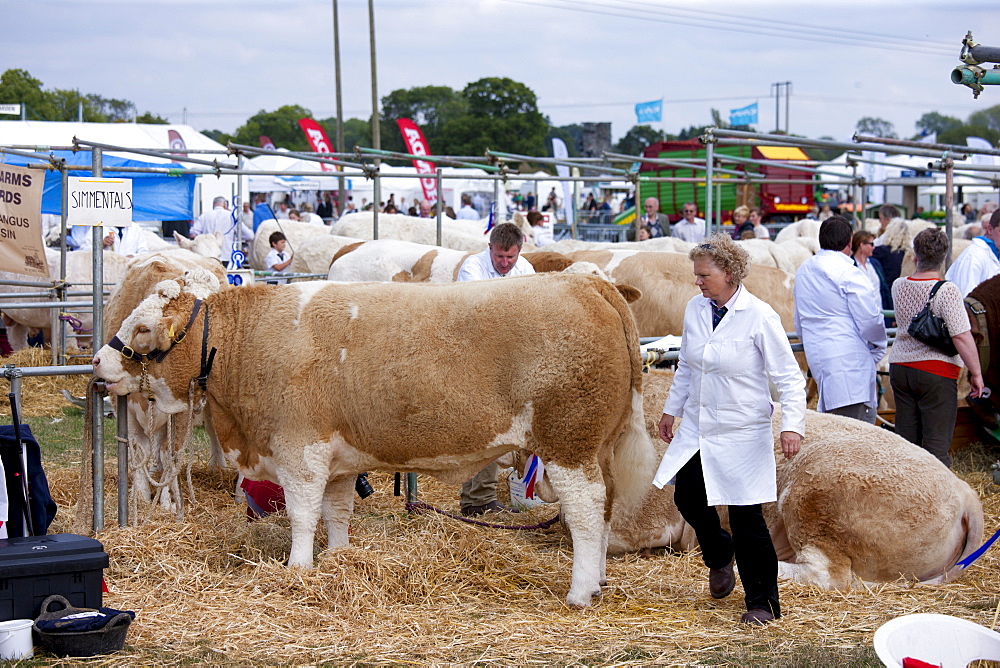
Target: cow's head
x,y
206,245
161,322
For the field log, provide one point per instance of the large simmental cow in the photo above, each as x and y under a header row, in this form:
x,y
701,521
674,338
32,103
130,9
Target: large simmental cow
x,y
463,235
303,393
396,261
666,281
857,502
148,426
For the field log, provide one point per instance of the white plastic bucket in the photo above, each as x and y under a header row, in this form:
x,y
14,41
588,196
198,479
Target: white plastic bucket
x,y
15,640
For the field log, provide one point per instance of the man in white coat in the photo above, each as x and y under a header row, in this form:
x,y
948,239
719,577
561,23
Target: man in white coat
x,y
221,219
723,453
838,318
980,260
501,258
128,240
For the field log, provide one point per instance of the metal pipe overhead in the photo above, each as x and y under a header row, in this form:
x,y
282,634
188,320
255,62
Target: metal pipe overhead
x,y
556,161
254,150
757,138
409,156
78,143
953,148
684,165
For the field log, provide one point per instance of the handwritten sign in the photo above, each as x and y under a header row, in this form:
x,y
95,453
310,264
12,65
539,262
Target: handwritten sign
x,y
99,201
21,248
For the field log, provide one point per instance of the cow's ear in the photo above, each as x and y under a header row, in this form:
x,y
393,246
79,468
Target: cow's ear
x,y
168,330
629,293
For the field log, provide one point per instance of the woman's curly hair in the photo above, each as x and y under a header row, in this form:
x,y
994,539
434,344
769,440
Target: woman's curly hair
x,y
725,254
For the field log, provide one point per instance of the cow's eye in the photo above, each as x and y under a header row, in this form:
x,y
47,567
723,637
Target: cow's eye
x,y
142,329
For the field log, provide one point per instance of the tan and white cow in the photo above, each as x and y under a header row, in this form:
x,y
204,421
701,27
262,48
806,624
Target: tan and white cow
x,y
312,246
666,282
303,393
856,503
147,426
396,261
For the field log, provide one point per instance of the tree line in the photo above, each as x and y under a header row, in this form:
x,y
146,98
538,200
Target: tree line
x,y
492,113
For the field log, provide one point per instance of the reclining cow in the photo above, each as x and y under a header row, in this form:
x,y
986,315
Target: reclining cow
x,y
857,502
302,391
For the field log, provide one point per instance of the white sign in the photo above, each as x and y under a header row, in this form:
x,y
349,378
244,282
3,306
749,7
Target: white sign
x,y
99,201
10,109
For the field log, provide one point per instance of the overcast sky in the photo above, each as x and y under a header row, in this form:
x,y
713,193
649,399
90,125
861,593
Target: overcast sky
x,y
586,60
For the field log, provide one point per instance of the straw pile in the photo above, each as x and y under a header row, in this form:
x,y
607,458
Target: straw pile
x,y
425,589
40,395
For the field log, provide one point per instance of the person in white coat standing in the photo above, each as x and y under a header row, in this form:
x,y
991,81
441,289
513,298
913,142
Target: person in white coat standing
x,y
838,317
723,452
980,261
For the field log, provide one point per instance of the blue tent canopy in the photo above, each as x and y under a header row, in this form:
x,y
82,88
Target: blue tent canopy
x,y
154,196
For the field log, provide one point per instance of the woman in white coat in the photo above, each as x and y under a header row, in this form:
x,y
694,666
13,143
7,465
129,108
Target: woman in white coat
x,y
723,450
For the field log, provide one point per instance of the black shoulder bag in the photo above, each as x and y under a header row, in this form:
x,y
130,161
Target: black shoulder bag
x,y
931,329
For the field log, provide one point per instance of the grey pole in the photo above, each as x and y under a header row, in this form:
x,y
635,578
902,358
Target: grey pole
x,y
97,169
122,461
709,160
342,195
59,335
440,204
949,203
376,136
377,195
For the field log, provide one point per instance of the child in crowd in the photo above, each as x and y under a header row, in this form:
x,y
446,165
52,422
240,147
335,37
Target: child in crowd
x,y
278,259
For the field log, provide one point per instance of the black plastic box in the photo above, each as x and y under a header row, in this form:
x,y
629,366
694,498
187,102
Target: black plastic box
x,y
34,567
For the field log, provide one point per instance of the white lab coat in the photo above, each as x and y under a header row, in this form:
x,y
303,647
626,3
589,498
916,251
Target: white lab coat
x,y
976,264
721,391
838,317
479,267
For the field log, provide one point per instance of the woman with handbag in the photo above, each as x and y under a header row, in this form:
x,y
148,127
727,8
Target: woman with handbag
x,y
924,377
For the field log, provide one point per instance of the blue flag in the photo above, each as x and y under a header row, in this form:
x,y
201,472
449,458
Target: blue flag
x,y
744,115
649,112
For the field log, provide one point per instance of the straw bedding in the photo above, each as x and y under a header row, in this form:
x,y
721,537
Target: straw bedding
x,y
426,589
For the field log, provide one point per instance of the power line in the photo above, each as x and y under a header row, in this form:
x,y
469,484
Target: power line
x,y
844,39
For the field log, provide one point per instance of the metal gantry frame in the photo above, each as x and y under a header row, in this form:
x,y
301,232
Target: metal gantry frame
x,y
494,163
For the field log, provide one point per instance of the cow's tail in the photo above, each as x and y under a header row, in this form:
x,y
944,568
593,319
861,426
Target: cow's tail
x,y
633,461
970,537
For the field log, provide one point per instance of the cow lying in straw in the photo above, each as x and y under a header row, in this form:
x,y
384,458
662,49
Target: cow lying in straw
x,y
856,503
304,392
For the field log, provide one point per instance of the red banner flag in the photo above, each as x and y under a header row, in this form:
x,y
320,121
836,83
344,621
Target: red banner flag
x,y
265,142
317,139
176,142
417,145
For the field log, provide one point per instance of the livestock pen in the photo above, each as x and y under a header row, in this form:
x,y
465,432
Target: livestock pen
x,y
426,589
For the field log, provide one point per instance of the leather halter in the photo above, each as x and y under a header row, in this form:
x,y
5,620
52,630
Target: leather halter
x,y
156,354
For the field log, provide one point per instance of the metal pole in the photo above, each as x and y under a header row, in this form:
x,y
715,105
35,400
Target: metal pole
x,y
377,195
788,92
949,203
341,194
60,334
122,461
440,204
97,169
709,166
376,137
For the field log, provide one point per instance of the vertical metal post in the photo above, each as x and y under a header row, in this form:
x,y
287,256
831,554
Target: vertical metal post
x,y
709,166
122,461
949,204
378,198
576,198
59,334
788,91
440,203
411,487
718,208
97,169
501,214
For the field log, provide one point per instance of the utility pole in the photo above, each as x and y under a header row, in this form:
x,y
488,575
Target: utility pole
x,y
376,143
776,89
341,194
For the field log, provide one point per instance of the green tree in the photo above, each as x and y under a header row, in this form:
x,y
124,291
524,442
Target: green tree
x,y
156,119
501,114
567,137
19,87
638,138
281,125
933,122
217,135
65,105
876,127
